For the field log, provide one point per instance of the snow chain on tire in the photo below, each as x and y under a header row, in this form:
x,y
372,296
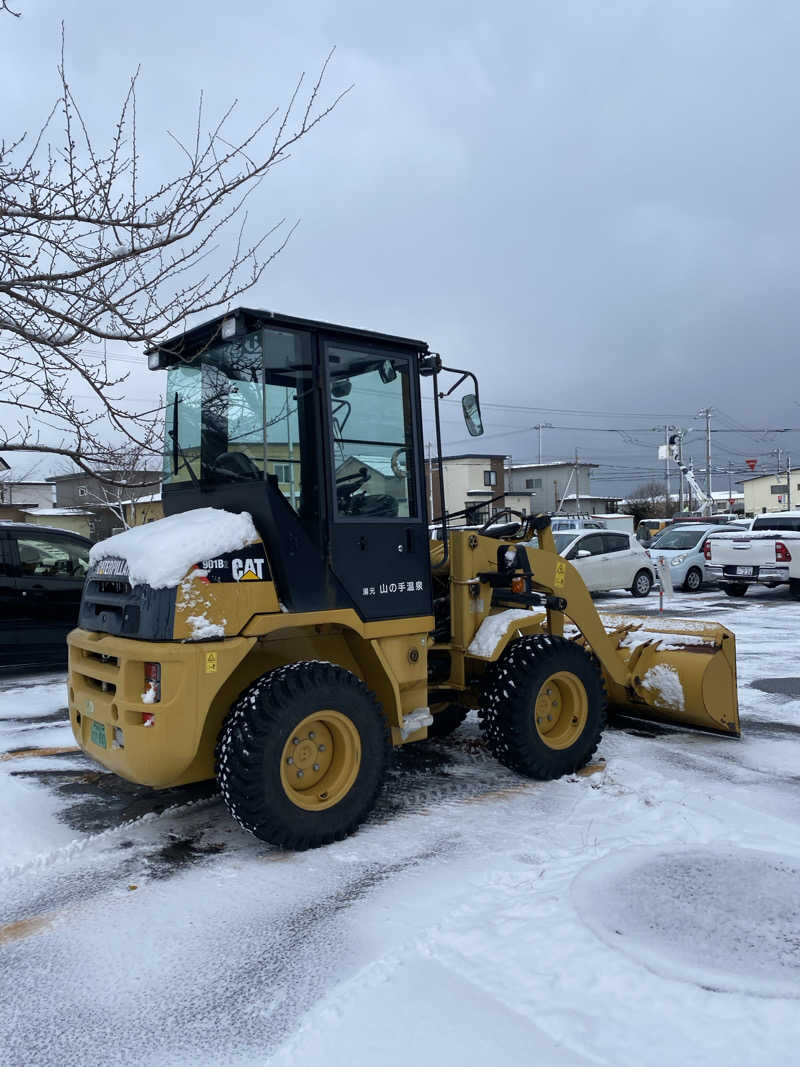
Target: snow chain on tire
x,y
509,718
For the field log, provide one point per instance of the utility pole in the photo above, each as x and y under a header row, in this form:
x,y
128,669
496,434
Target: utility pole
x,y
577,486
430,484
542,426
788,482
730,485
706,414
680,464
666,465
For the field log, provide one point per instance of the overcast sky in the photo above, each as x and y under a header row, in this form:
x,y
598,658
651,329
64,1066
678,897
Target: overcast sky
x,y
592,205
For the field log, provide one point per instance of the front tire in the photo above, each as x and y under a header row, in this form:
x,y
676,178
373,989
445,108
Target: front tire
x,y
544,708
302,755
794,588
642,584
693,580
735,588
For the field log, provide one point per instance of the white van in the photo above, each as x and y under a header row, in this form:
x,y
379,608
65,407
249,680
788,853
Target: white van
x,y
563,523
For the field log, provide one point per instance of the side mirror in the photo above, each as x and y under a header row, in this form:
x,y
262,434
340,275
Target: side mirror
x,y
582,553
341,388
387,372
472,414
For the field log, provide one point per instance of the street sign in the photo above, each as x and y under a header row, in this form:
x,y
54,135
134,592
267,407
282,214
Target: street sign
x,y
751,463
778,490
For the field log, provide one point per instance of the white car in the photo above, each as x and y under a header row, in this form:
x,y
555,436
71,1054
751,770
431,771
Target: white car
x,y
608,559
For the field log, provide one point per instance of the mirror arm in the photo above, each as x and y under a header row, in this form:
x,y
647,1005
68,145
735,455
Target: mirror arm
x,y
464,374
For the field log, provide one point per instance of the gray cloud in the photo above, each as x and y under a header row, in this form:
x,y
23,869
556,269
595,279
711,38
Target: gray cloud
x,y
593,206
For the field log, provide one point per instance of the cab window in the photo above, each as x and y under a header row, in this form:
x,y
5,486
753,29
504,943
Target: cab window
x,y
371,414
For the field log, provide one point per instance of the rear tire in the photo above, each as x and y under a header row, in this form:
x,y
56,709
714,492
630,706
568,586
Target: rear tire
x,y
446,721
735,588
693,580
544,707
642,584
794,588
302,754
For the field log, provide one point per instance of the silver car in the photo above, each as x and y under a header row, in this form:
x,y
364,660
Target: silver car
x,y
682,548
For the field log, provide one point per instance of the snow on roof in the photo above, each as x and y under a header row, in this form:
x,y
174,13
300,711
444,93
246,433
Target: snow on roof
x,y
552,463
54,511
160,554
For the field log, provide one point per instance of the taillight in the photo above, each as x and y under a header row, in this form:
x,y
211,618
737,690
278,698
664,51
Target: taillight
x,y
152,689
782,553
707,550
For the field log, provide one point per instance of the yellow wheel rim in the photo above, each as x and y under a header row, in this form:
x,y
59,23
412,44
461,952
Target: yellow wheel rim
x,y
561,710
320,760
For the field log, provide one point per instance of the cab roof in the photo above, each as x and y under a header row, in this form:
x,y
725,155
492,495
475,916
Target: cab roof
x,y
249,319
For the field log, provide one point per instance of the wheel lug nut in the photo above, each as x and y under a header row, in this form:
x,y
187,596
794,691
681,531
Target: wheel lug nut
x,y
322,748
290,760
316,767
299,774
295,740
311,735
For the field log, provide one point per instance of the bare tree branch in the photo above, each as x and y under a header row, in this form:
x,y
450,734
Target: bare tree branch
x,y
90,255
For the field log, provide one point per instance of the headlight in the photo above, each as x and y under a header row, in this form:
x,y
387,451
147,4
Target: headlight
x,y
677,561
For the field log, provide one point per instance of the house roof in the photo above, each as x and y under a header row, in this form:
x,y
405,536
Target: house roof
x,y
551,463
476,455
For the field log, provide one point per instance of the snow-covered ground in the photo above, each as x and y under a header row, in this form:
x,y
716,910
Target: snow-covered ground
x,y
647,913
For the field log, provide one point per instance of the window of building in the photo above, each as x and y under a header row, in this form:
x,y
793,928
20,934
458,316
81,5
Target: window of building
x,y
490,477
283,472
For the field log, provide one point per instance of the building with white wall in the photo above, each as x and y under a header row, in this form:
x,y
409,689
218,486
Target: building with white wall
x,y
771,492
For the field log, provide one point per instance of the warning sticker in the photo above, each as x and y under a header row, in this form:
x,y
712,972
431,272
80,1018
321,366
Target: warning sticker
x,y
561,571
211,663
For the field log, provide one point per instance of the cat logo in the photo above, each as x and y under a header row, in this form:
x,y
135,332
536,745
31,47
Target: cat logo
x,y
247,570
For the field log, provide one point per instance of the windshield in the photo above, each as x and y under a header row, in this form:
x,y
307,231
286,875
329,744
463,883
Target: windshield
x,y
237,413
679,539
563,540
777,522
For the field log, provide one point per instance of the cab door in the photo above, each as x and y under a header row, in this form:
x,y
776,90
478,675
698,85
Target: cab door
x,y
378,540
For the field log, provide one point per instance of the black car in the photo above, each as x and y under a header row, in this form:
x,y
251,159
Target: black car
x,y
41,577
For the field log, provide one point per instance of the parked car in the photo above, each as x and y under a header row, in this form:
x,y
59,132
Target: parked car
x,y
41,577
559,523
682,547
607,559
768,553
649,528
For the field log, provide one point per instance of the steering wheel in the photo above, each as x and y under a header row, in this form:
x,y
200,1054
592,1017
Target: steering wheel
x,y
397,470
498,516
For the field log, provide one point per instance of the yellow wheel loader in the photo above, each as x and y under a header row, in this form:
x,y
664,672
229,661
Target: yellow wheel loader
x,y
289,620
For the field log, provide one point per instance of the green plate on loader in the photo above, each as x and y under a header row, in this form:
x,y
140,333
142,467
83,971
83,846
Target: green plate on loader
x,y
98,734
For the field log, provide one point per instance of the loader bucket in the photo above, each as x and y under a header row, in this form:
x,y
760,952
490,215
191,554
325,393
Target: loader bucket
x,y
678,672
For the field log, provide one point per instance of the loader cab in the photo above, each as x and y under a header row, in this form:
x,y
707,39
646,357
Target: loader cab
x,y
316,431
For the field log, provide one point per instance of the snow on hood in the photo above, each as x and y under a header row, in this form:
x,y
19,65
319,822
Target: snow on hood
x,y
160,553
